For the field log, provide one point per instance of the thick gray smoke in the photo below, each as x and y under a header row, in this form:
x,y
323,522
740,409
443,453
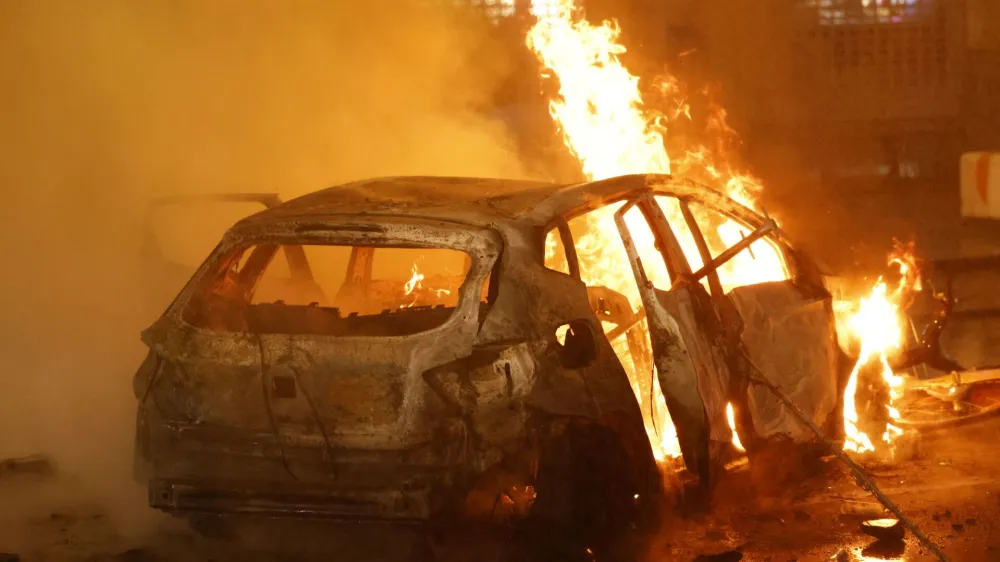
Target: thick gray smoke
x,y
105,104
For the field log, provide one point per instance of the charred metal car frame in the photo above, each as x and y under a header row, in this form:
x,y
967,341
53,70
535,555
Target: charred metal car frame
x,y
489,414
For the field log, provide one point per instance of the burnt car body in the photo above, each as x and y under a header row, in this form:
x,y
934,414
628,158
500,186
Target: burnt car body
x,y
497,393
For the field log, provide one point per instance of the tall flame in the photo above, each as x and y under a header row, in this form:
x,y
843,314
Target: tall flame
x,y
600,107
601,114
878,326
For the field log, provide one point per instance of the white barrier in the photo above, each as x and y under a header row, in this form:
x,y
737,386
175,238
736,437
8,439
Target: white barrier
x,y
980,184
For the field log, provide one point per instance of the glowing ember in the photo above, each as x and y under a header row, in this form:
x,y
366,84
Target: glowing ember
x,y
878,326
600,112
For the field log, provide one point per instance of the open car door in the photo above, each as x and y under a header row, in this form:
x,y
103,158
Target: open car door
x,y
708,344
688,348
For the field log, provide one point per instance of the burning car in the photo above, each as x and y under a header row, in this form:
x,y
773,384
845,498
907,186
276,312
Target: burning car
x,y
418,347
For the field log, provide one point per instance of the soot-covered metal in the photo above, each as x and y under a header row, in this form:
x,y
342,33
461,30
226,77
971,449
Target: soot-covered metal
x,y
506,401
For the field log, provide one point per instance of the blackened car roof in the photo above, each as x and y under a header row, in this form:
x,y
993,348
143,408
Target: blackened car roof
x,y
480,201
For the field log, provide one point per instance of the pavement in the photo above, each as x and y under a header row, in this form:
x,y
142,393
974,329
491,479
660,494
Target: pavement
x,y
950,490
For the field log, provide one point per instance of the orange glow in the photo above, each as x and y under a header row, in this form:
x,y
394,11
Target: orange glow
x,y
731,417
415,286
415,280
600,111
877,324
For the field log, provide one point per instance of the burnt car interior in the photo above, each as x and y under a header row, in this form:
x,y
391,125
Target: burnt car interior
x,y
332,290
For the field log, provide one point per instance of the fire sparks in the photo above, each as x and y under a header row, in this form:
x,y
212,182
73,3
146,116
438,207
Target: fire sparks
x,y
601,113
878,326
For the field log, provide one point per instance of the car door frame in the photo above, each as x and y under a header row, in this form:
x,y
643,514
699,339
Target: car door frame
x,y
802,300
803,291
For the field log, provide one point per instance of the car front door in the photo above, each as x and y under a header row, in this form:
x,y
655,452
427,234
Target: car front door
x,y
687,340
780,321
737,316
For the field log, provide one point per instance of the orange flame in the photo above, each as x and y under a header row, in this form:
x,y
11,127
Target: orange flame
x,y
731,418
878,325
601,114
414,283
600,107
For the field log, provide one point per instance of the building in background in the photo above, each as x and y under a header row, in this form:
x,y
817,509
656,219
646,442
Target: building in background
x,y
849,89
501,11
890,88
981,99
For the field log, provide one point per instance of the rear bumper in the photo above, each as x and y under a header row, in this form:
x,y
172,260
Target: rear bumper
x,y
186,496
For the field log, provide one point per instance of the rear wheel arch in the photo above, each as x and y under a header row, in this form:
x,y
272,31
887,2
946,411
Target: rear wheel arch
x,y
584,494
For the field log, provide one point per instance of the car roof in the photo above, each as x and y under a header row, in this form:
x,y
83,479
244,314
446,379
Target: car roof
x,y
476,201
447,198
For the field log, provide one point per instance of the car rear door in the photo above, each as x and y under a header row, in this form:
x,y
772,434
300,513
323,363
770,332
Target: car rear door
x,y
688,345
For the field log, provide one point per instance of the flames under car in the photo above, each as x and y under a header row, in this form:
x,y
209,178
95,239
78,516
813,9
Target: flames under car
x,y
412,348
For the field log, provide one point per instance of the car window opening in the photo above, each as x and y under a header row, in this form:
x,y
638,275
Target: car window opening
x,y
555,252
761,262
332,290
615,300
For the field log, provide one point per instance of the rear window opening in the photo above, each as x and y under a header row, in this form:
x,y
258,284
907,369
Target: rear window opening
x,y
332,290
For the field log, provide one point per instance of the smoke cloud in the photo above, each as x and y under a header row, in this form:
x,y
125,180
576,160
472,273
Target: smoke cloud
x,y
107,104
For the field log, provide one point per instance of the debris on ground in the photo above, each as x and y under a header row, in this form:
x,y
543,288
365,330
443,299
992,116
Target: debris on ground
x,y
940,516
884,529
728,556
860,476
34,464
862,509
884,550
841,556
